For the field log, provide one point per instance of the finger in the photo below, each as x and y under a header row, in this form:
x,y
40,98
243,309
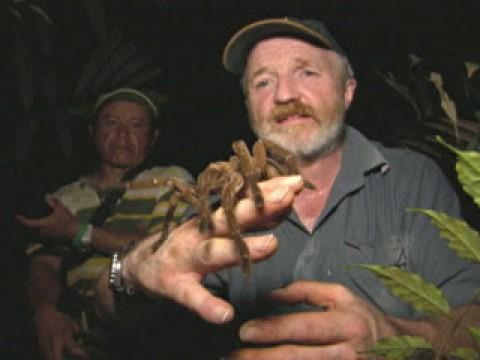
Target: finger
x,y
315,327
170,272
56,349
52,201
191,294
278,195
22,219
217,253
45,344
312,292
74,348
294,352
31,223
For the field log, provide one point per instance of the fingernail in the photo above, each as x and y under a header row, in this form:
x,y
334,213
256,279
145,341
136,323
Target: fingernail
x,y
294,179
223,315
248,332
267,242
279,194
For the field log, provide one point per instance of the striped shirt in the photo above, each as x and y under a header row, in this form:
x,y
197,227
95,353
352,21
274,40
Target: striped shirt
x,y
141,210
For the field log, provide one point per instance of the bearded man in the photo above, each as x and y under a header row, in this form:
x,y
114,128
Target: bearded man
x,y
303,299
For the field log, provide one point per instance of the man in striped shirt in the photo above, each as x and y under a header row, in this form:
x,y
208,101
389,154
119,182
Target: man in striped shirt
x,y
89,221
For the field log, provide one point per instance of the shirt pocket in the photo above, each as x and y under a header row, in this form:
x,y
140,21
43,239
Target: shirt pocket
x,y
365,284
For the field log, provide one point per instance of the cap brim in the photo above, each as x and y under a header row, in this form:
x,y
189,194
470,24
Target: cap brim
x,y
237,49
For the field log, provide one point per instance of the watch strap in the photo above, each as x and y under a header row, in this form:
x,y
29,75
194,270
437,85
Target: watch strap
x,y
115,280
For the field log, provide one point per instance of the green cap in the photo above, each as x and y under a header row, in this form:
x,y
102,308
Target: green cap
x,y
126,94
238,47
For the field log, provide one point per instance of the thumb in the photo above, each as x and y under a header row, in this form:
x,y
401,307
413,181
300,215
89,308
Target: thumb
x,y
22,219
52,201
310,292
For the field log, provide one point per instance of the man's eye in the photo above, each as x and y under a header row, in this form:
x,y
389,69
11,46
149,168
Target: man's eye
x,y
110,122
261,83
308,72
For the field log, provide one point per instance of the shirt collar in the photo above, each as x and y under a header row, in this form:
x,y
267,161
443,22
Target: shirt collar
x,y
360,157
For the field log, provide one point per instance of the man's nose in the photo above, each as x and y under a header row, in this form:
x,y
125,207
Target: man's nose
x,y
123,131
286,90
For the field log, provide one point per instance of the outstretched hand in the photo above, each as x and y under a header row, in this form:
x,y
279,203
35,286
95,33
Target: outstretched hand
x,y
176,269
60,224
56,335
344,328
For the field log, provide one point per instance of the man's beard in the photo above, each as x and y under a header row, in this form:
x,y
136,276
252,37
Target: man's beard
x,y
306,142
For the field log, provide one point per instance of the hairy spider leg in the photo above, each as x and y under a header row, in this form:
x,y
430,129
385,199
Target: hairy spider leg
x,y
182,191
284,161
229,199
249,170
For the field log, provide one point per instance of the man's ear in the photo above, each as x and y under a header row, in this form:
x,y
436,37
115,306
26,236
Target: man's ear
x,y
350,86
247,104
154,139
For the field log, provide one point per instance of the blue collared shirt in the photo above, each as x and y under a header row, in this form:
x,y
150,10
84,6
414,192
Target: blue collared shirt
x,y
365,221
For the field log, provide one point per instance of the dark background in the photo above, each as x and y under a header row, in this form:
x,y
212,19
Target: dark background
x,y
206,106
205,111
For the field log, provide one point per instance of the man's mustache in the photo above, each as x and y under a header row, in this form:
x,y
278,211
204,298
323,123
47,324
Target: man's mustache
x,y
283,111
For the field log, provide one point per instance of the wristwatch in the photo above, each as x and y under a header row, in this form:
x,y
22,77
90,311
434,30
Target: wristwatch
x,y
115,281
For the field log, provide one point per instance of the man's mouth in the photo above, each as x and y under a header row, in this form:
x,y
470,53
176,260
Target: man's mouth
x,y
292,119
123,149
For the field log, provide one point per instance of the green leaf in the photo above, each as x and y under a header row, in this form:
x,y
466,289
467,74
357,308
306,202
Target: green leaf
x,y
402,90
141,79
400,347
115,63
468,170
136,66
464,240
97,60
16,13
39,11
25,73
475,332
465,354
411,288
446,103
471,68
96,13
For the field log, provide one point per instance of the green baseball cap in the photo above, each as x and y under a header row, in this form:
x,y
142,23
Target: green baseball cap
x,y
127,94
238,47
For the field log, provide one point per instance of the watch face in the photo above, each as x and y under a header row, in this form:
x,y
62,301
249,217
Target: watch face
x,y
115,281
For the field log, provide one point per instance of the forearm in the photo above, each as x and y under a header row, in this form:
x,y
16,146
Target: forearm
x,y
108,241
104,299
43,285
443,332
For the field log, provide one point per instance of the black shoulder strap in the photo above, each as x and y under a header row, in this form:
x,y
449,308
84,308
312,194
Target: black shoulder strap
x,y
111,198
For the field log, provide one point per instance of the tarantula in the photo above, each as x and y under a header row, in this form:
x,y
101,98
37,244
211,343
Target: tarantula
x,y
233,179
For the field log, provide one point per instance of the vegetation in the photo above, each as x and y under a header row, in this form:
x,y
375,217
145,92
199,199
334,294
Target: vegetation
x,y
443,100
425,297
57,78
